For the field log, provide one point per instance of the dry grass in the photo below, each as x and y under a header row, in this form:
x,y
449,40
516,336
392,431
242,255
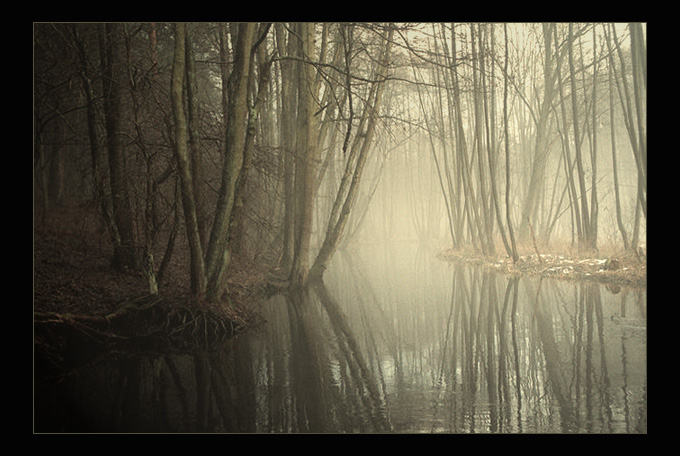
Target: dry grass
x,y
609,265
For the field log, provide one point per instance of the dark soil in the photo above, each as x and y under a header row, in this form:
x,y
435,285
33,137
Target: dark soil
x,y
75,282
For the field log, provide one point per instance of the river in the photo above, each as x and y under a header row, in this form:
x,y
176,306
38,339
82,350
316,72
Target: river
x,y
393,341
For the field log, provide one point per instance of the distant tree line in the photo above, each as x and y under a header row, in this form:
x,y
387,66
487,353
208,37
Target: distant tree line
x,y
521,120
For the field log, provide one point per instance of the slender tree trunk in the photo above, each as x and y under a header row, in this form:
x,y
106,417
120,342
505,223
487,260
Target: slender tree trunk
x,y
287,46
461,159
586,240
639,69
567,151
195,154
150,228
450,156
594,206
172,236
218,254
260,91
541,145
197,266
305,159
362,143
486,221
639,59
125,254
465,161
447,193
490,123
506,132
96,152
617,193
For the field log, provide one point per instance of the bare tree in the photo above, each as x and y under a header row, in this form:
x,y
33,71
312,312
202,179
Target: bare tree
x,y
196,265
306,158
506,133
586,229
113,69
349,186
611,78
287,47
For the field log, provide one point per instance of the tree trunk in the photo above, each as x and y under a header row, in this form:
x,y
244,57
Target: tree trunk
x,y
506,134
541,145
287,46
125,255
306,158
218,253
96,152
568,164
617,193
485,222
197,266
586,240
195,154
150,228
594,205
639,69
362,143
259,94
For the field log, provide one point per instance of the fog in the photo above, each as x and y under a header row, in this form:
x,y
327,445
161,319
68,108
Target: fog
x,y
470,135
414,184
480,187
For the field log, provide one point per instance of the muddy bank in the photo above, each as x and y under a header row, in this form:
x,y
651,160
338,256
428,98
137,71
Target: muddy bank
x,y
617,270
79,299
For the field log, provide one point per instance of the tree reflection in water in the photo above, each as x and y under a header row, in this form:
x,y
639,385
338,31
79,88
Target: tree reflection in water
x,y
409,346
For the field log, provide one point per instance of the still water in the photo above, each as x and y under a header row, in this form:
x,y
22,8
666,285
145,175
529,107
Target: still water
x,y
394,340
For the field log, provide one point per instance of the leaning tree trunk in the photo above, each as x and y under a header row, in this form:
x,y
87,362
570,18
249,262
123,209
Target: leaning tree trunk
x,y
347,192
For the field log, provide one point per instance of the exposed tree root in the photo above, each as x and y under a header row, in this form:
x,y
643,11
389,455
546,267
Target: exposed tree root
x,y
64,341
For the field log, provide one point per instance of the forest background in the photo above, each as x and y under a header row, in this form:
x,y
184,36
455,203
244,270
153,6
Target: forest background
x,y
204,160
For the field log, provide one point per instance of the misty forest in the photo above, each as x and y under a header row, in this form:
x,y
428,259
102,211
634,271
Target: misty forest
x,y
340,227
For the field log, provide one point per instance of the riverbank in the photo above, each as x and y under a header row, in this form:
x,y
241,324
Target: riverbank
x,y
75,285
612,269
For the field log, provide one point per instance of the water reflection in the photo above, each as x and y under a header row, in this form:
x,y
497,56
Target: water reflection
x,y
314,375
392,342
